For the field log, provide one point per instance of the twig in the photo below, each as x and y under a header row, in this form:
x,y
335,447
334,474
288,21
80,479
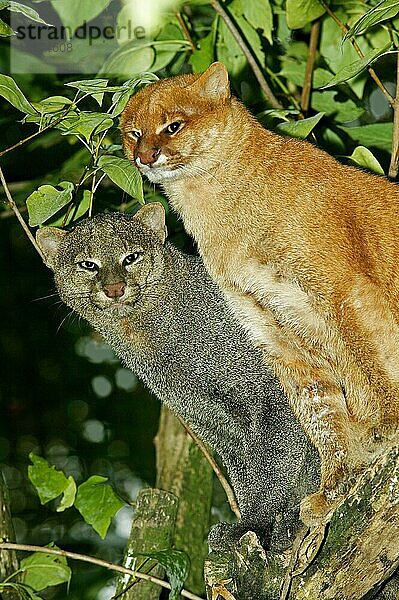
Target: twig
x,y
307,84
39,132
394,165
356,46
246,51
14,207
96,561
223,481
185,30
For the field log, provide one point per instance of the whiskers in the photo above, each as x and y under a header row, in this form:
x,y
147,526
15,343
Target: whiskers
x,y
71,313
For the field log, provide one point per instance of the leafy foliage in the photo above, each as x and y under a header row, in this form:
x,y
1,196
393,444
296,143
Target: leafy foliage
x,y
95,501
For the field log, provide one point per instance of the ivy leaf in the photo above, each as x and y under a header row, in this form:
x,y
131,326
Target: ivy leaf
x,y
11,92
97,503
124,174
176,564
301,12
300,129
46,201
355,67
362,157
387,9
44,570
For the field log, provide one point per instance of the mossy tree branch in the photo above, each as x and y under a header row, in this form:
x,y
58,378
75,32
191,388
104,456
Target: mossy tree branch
x,y
353,555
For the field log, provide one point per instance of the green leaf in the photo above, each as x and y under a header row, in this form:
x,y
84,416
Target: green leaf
x,y
362,157
86,124
124,174
81,209
341,110
97,503
237,9
11,92
74,13
355,67
130,59
5,30
387,9
259,14
176,565
44,570
203,57
301,12
50,483
165,54
51,104
27,11
46,201
94,87
300,129
375,135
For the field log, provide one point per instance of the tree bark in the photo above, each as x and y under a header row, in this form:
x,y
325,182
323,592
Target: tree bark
x,y
353,554
177,517
183,470
152,530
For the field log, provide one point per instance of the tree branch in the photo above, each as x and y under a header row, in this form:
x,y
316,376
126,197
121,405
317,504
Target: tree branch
x,y
356,46
10,202
351,554
247,53
95,561
307,84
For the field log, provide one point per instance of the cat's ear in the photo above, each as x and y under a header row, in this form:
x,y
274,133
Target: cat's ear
x,y
153,216
48,239
213,84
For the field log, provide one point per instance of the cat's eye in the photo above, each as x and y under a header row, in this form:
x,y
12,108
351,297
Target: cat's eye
x,y
134,134
173,127
132,258
88,265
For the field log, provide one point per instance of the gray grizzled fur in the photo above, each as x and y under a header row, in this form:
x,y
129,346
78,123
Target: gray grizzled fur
x,y
173,329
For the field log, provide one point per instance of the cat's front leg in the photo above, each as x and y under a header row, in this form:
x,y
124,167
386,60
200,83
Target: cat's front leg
x,y
315,396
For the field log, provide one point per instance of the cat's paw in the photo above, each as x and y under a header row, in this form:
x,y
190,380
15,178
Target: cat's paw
x,y
224,536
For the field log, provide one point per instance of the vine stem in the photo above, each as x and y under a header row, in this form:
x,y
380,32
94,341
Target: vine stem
x,y
11,203
247,53
356,46
394,165
95,561
223,481
307,84
185,30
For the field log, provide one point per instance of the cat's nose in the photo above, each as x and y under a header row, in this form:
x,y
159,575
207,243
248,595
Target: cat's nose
x,y
114,290
148,157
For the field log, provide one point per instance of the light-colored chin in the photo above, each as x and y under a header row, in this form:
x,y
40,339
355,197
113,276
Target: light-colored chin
x,y
161,175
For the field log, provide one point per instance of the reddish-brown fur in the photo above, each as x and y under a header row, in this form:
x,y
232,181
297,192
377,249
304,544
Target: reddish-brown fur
x,y
306,250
